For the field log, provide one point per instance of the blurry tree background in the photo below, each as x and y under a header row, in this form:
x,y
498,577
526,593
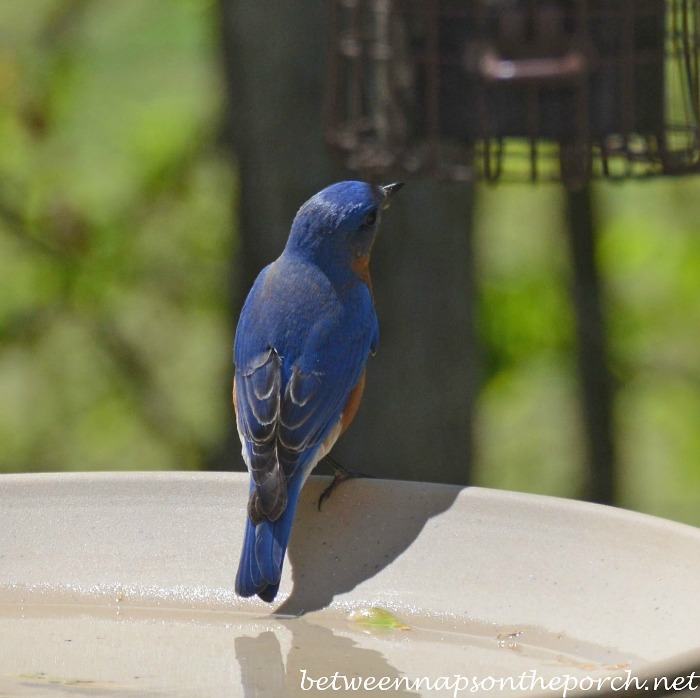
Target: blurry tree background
x,y
115,235
118,239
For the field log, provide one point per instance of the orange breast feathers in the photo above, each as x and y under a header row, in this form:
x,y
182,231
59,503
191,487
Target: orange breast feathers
x,y
360,265
350,409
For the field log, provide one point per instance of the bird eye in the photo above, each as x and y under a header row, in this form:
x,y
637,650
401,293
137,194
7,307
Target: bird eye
x,y
371,217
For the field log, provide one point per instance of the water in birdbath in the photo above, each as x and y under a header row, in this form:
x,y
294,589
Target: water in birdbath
x,y
120,649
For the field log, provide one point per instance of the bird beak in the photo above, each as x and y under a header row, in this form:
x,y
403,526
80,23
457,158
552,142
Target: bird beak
x,y
389,190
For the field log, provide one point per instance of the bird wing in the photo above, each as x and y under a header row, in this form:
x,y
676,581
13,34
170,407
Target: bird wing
x,y
320,384
287,401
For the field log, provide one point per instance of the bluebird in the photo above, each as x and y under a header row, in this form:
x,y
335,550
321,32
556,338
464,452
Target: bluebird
x,y
303,338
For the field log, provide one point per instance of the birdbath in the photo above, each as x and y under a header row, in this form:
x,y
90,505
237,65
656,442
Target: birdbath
x,y
123,584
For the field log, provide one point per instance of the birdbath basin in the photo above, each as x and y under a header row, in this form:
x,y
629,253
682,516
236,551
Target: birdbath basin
x,y
122,584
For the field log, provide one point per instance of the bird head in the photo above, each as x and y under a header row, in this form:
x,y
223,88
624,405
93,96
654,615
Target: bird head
x,y
337,226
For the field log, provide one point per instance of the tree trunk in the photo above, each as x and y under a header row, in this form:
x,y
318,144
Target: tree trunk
x,y
595,381
416,416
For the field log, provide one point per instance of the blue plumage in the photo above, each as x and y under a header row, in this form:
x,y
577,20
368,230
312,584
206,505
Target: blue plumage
x,y
303,338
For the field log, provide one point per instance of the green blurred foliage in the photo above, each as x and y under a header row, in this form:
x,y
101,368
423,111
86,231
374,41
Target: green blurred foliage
x,y
115,235
528,425
116,249
529,430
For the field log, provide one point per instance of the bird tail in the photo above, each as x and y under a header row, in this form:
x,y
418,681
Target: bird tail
x,y
264,547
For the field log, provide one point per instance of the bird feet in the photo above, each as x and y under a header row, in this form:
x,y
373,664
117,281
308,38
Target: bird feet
x,y
341,475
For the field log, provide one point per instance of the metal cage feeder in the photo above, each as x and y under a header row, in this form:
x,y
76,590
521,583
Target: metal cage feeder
x,y
563,90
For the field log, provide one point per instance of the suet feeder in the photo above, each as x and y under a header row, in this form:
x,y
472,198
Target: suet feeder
x,y
564,90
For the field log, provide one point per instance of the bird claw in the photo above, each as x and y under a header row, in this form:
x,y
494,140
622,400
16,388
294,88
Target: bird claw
x,y
341,475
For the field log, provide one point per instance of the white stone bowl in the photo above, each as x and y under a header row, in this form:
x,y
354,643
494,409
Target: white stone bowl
x,y
123,583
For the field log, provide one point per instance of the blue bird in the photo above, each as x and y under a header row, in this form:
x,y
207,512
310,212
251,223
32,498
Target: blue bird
x,y
303,338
